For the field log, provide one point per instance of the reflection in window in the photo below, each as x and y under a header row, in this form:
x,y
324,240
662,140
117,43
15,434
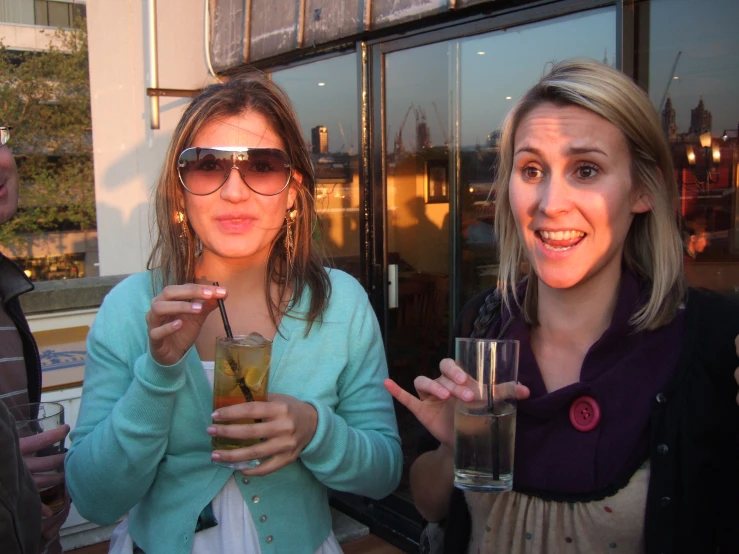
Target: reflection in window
x,y
492,81
694,84
325,98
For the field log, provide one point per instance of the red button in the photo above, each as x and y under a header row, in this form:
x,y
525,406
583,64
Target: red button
x,y
584,414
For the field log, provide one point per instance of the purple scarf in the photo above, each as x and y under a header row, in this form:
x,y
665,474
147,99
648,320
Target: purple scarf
x,y
623,372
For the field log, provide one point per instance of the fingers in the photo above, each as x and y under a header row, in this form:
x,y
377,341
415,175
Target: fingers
x,y
268,466
510,390
46,480
283,445
736,345
522,392
251,410
51,524
451,370
403,396
183,300
31,445
160,333
191,291
45,463
248,431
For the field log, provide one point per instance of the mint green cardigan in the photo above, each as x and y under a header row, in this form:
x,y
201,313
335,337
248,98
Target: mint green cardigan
x,y
140,444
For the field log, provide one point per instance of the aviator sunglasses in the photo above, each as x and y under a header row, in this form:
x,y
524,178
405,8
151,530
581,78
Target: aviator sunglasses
x,y
203,171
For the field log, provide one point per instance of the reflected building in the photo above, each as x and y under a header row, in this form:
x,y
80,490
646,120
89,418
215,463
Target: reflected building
x,y
668,120
700,119
319,139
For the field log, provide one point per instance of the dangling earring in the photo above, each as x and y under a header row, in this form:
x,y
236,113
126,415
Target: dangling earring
x,y
289,242
181,218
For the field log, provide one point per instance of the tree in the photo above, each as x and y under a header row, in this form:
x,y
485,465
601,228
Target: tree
x,y
45,97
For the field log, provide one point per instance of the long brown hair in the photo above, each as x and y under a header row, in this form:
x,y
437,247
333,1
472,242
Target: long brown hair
x,y
653,247
177,247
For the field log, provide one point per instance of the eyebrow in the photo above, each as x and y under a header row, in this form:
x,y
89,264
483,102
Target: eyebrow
x,y
572,151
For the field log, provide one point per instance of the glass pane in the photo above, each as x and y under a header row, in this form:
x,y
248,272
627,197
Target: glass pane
x,y
16,11
42,12
59,14
418,190
78,11
325,98
694,83
492,81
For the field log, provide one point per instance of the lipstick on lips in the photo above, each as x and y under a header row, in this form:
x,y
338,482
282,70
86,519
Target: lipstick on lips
x,y
561,239
235,223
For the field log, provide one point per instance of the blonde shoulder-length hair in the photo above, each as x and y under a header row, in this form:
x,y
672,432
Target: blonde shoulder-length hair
x,y
653,248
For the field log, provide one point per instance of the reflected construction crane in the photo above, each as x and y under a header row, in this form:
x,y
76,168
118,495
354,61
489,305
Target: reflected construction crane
x,y
669,82
343,138
399,148
423,140
441,124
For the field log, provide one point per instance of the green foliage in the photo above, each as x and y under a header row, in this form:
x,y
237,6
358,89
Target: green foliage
x,y
45,97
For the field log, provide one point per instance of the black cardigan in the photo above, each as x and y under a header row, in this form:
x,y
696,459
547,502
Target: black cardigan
x,y
693,494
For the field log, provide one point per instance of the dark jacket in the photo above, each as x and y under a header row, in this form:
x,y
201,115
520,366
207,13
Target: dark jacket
x,y
20,505
14,283
693,494
19,497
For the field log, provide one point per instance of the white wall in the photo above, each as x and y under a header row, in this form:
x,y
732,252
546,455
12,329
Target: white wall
x,y
127,153
15,36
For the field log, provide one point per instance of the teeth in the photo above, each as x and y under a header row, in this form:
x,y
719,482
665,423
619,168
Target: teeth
x,y
556,248
561,235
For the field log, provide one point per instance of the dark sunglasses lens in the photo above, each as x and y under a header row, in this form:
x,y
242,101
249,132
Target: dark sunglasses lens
x,y
204,170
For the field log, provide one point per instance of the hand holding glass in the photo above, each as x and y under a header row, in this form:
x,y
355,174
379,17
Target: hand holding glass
x,y
31,420
485,428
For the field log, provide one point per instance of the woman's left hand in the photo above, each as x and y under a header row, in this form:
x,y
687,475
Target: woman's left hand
x,y
287,426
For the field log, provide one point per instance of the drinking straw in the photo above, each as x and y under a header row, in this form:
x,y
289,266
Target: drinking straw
x,y
224,317
494,423
242,384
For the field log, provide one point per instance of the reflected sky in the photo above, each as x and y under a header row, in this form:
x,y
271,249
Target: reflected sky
x,y
334,103
496,68
705,32
516,58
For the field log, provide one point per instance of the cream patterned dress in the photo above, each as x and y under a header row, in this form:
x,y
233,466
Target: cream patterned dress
x,y
515,523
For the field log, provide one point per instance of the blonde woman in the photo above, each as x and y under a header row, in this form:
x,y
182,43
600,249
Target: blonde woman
x,y
586,196
233,206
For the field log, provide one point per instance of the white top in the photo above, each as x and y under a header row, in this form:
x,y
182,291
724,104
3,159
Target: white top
x,y
235,532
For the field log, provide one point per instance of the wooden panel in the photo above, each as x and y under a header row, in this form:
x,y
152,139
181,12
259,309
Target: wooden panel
x,y
466,3
227,33
274,28
386,13
327,20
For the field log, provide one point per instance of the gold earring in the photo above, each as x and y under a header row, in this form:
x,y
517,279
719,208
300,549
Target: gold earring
x,y
290,216
181,218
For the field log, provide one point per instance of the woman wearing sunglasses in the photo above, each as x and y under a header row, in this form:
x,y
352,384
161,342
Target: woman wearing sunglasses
x,y
233,206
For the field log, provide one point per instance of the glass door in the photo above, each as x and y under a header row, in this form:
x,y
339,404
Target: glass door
x,y
418,195
435,107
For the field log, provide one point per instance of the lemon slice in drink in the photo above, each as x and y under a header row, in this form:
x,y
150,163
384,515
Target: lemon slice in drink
x,y
255,376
